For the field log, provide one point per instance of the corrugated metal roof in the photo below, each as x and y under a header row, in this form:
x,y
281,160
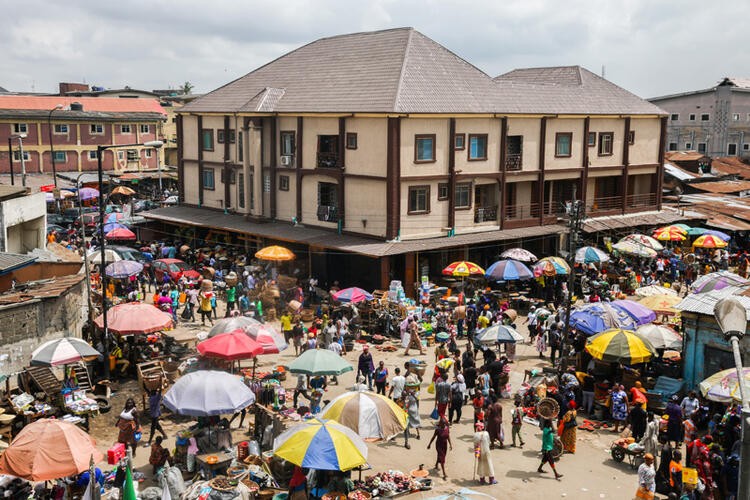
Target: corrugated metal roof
x,y
371,247
403,71
92,104
722,186
12,261
667,216
44,289
679,173
684,155
703,303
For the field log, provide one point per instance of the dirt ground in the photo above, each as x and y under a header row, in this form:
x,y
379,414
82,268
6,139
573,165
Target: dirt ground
x,y
590,473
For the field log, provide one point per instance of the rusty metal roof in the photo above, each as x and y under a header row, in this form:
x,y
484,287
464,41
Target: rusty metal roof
x,y
12,261
616,222
703,303
44,289
731,165
722,186
683,156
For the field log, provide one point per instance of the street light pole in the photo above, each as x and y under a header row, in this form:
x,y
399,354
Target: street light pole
x,y
51,144
731,316
85,254
10,161
576,214
20,138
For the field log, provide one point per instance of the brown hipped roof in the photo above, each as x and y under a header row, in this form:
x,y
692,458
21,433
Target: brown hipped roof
x,y
403,71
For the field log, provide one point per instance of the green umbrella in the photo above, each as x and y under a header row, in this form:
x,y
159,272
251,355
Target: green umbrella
x,y
696,231
683,226
319,362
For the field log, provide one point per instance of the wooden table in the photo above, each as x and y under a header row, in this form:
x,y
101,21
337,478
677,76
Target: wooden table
x,y
224,460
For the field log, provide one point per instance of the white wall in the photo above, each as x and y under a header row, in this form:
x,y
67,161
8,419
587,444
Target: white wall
x,y
24,223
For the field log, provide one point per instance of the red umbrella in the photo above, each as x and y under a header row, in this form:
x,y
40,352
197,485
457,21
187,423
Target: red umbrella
x,y
135,317
121,233
272,341
231,346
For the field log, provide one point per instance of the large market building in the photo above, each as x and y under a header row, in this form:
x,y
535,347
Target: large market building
x,y
384,155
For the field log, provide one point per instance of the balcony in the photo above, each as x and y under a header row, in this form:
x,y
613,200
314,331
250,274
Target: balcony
x,y
513,162
485,214
641,200
328,160
605,204
328,213
522,212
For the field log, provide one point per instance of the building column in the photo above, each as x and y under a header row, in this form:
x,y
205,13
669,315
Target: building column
x,y
585,160
342,178
452,174
625,164
385,272
410,273
227,168
273,163
393,179
501,182
542,152
180,161
660,166
299,164
200,161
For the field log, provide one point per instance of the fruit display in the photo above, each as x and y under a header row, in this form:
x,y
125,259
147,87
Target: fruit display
x,y
389,483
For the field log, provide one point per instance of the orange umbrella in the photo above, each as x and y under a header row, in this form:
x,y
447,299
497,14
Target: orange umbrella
x,y
66,450
709,241
275,253
670,233
123,190
462,268
130,318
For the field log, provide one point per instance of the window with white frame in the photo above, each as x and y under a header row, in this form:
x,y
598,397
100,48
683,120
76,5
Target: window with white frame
x,y
145,129
121,155
61,128
125,128
20,128
61,156
735,117
92,155
705,117
746,147
132,154
17,156
96,129
692,117
149,153
688,146
732,149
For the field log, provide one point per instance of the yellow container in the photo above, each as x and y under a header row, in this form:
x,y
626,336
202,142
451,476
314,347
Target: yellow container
x,y
690,476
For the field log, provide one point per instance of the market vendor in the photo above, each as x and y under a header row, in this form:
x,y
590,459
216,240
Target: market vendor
x,y
298,484
341,482
159,454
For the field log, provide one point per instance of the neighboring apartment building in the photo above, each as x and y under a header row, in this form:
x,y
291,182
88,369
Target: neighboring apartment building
x,y
713,121
391,137
23,220
76,130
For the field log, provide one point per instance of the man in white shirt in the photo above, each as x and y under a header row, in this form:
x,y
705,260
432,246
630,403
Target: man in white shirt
x,y
690,404
398,382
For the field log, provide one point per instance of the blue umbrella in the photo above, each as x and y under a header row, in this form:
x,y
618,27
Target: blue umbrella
x,y
718,234
123,269
111,226
508,270
590,255
598,317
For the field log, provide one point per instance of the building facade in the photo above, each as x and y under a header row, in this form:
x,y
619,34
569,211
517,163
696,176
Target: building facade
x,y
75,131
713,121
401,140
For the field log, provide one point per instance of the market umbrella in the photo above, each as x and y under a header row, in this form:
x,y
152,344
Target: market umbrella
x,y
225,325
696,231
208,392
718,234
322,445
88,193
120,234
130,318
272,341
275,253
111,226
123,190
640,313
724,386
230,346
497,333
709,241
682,228
650,290
644,240
462,269
66,451
62,352
551,266
717,280
508,270
660,336
670,234
370,415
123,269
620,346
663,304
319,362
600,316
590,255
352,295
518,254
113,217
636,249
463,494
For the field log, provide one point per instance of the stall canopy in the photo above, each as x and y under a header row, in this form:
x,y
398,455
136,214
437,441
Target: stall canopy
x,y
620,346
319,362
62,352
370,415
230,346
225,325
208,392
132,318
322,445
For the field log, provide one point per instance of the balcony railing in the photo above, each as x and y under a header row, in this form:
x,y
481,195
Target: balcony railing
x,y
513,161
328,160
327,213
605,204
520,212
642,200
485,214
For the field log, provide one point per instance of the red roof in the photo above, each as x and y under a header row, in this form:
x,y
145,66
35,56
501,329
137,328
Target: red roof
x,y
91,104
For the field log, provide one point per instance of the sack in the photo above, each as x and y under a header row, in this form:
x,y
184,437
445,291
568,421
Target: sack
x,y
644,494
431,388
185,313
434,415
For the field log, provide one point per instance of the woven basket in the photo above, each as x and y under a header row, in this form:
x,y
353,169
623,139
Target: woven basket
x,y
548,408
152,382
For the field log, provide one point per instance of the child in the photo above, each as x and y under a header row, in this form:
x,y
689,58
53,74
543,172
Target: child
x,y
516,420
159,455
478,404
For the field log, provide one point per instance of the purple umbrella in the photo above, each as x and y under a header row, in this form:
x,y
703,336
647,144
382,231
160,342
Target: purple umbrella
x,y
88,193
123,269
112,226
717,281
508,270
640,313
718,234
600,316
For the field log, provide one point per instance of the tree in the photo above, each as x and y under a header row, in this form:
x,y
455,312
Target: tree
x,y
186,88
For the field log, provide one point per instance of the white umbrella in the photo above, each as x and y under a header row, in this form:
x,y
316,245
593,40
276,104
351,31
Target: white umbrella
x,y
650,290
62,352
518,254
207,392
497,333
660,336
590,255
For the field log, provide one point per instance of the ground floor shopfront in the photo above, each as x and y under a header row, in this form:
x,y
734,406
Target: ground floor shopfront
x,y
352,260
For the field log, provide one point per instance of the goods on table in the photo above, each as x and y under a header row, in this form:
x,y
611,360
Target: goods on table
x,y
389,483
359,495
13,487
77,402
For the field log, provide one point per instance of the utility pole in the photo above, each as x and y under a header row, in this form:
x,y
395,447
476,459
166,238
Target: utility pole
x,y
576,212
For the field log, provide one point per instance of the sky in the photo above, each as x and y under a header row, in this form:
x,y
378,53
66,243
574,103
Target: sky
x,y
649,47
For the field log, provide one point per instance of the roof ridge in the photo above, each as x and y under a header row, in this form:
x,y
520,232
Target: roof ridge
x,y
401,73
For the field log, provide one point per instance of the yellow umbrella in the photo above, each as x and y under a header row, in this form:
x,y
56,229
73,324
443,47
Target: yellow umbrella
x,y
709,241
670,233
620,346
275,253
321,444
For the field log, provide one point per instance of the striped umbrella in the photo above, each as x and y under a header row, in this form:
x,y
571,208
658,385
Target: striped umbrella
x,y
629,247
717,280
670,233
709,241
590,255
620,346
551,266
724,386
508,270
370,415
62,352
660,336
519,254
321,444
462,269
352,295
647,241
497,333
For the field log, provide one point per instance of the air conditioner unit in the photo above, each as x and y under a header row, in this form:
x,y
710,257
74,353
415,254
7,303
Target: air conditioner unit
x,y
286,161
